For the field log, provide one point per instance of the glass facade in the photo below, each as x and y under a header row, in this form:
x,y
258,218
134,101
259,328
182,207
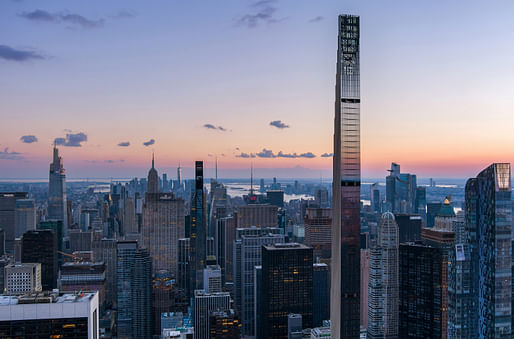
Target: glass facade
x,y
45,328
345,313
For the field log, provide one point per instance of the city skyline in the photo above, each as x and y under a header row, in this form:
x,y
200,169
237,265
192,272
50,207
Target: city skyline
x,y
105,94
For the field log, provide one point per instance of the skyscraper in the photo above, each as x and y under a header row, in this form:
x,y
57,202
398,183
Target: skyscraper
x,y
41,247
383,281
286,287
345,287
24,216
205,303
7,216
57,208
153,178
198,238
489,223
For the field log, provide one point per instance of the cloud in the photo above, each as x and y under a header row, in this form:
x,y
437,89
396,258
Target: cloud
x,y
266,153
6,155
295,155
72,140
149,142
245,155
316,19
113,161
278,124
264,12
64,17
124,144
211,126
28,139
11,54
327,155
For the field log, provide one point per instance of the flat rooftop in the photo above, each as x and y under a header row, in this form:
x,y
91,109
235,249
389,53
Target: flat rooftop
x,y
46,298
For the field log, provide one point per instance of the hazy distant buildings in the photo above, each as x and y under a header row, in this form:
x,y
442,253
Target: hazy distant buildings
x,y
57,206
345,287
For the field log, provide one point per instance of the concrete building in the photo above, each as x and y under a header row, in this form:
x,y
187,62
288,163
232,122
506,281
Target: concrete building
x,y
260,215
22,278
204,304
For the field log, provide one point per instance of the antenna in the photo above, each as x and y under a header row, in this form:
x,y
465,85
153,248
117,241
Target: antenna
x,y
251,178
152,158
216,168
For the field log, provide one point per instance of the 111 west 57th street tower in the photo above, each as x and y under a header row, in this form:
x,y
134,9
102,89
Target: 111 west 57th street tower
x,y
345,290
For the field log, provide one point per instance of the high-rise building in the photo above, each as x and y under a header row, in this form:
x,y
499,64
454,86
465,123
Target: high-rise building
x,y
84,276
275,198
260,215
163,298
56,226
365,261
247,255
318,225
22,278
41,247
489,228
224,325
134,291
320,294
130,224
204,304
217,206
212,279
57,206
409,227
7,216
50,315
105,250
383,281
198,238
184,265
421,287
294,326
286,287
24,216
345,286
163,225
153,179
80,240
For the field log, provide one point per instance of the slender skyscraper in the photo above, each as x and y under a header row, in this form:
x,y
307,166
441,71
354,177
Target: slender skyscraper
x,y
345,287
57,192
198,240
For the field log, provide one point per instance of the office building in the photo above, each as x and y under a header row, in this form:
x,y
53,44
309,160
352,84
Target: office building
x,y
345,286
204,304
275,198
50,315
57,206
320,294
318,225
294,326
383,285
217,205
22,278
224,240
212,279
260,215
172,320
84,276
365,261
409,227
286,287
247,255
421,280
56,226
130,224
163,225
224,325
24,216
80,240
134,291
163,298
432,209
41,247
488,208
105,250
198,229
7,216
401,191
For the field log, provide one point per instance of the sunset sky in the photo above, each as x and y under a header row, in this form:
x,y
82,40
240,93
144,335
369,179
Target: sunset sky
x,y
208,78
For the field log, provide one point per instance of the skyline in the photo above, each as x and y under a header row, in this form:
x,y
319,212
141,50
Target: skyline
x,y
156,86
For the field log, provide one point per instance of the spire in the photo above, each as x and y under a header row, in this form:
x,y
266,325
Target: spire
x,y
251,179
153,159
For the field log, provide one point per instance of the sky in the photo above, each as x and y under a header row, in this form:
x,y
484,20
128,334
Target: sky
x,y
112,81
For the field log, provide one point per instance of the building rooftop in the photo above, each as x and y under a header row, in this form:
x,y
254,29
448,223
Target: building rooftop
x,y
46,298
291,245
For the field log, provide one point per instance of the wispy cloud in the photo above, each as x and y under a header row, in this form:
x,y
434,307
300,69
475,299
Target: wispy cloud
x,y
72,140
316,19
278,124
211,126
28,139
124,144
12,54
6,155
149,142
262,12
124,14
63,17
245,155
327,155
295,155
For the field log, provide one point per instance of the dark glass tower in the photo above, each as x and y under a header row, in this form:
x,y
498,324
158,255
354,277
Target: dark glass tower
x,y
489,225
286,287
345,290
41,247
198,238
57,209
